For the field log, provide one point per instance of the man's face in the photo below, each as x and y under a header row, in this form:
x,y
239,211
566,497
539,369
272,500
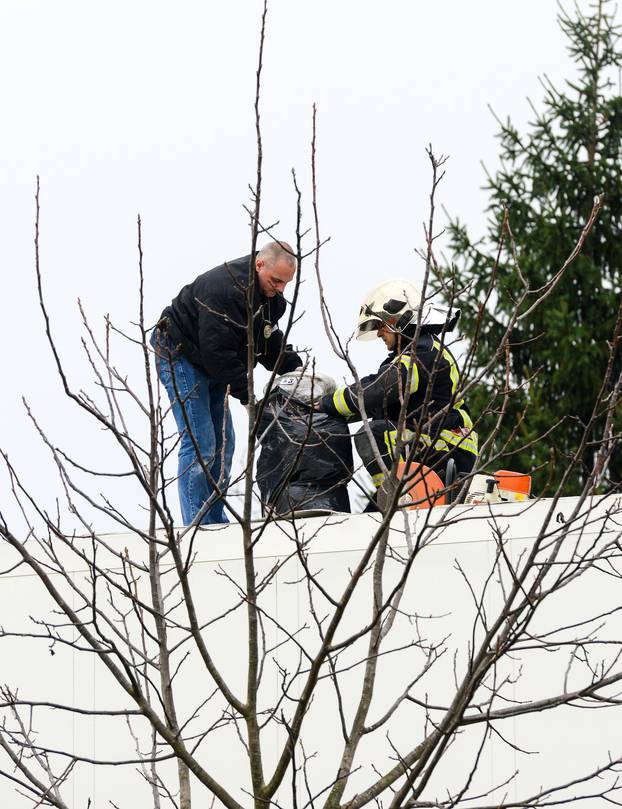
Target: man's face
x,y
389,337
273,276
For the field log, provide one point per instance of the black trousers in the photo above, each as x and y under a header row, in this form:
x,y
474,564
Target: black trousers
x,y
385,438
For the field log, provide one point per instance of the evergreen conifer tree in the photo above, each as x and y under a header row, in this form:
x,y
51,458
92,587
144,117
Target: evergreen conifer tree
x,y
547,181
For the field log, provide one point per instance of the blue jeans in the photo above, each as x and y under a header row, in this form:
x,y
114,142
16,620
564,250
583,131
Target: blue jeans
x,y
199,405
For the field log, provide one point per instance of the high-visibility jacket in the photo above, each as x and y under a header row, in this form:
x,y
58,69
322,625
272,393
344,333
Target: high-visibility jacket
x,y
425,371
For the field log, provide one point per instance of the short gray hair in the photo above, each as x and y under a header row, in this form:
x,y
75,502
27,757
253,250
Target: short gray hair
x,y
275,251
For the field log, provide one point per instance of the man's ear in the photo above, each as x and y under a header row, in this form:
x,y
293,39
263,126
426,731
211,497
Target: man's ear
x,y
259,262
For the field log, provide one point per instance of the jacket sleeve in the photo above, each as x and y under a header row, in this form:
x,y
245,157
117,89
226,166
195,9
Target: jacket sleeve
x,y
288,361
379,390
220,339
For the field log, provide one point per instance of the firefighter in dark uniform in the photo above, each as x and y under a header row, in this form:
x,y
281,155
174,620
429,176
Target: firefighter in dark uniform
x,y
423,375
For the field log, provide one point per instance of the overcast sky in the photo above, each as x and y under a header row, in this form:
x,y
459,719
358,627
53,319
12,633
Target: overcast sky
x,y
147,107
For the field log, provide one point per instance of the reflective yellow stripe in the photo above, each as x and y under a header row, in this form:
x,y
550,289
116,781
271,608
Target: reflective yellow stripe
x,y
390,439
468,421
470,444
414,379
447,438
339,400
453,368
377,479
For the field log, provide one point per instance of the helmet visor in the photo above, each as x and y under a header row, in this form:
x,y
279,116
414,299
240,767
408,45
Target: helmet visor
x,y
368,329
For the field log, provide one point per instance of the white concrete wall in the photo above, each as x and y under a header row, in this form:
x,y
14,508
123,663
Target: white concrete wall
x,y
562,744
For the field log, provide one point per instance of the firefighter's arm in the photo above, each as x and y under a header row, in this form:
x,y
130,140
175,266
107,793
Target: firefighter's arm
x,y
341,403
378,390
382,389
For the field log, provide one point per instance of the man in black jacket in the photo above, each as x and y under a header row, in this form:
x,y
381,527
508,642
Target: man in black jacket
x,y
201,345
422,377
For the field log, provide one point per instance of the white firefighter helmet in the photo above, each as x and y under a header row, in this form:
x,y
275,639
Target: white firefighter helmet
x,y
396,304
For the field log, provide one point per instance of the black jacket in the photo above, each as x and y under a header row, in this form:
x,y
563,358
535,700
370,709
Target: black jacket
x,y
384,392
208,321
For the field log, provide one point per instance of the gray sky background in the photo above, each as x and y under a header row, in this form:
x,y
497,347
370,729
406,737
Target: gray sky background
x,y
147,107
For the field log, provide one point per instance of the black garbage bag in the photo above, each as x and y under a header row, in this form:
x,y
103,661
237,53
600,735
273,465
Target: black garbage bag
x,y
305,460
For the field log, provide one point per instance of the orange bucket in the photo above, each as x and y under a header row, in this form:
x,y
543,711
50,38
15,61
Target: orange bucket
x,y
513,482
424,485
